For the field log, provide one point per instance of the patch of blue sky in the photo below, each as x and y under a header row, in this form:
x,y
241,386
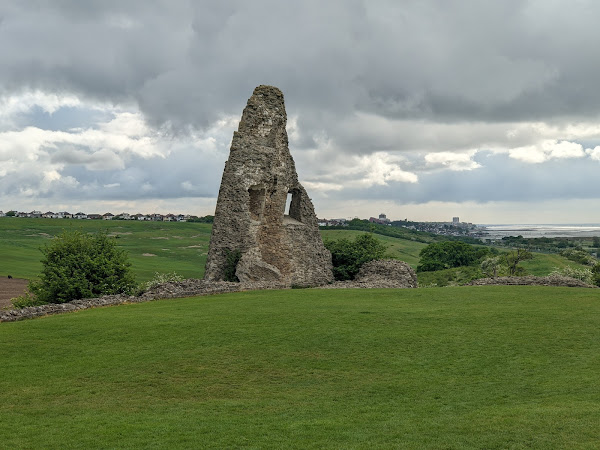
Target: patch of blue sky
x,y
64,118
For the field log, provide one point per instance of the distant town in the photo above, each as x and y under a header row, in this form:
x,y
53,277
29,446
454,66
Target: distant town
x,y
453,228
108,216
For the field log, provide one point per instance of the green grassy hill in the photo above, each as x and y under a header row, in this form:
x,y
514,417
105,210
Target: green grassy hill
x,y
152,246
405,249
174,247
477,367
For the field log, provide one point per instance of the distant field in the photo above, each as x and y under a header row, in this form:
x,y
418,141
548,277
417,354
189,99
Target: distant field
x,y
404,249
479,367
543,264
172,246
152,246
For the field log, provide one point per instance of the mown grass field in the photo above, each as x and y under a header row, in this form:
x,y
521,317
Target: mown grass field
x,y
152,246
463,367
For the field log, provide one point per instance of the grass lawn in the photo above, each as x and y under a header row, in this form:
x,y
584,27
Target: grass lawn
x,y
465,367
152,246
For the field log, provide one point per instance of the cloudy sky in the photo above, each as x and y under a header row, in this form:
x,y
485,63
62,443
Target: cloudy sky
x,y
424,109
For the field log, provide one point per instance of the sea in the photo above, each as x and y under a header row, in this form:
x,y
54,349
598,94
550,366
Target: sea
x,y
541,230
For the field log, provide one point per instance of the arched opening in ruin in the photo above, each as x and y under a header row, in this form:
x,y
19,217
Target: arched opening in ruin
x,y
293,205
256,202
288,202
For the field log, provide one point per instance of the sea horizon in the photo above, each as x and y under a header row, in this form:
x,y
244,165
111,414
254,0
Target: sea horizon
x,y
534,230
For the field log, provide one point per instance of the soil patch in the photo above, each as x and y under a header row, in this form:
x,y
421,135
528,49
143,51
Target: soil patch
x,y
11,288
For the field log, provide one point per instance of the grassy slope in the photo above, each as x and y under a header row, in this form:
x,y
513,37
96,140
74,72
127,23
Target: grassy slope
x,y
403,249
179,247
486,367
543,264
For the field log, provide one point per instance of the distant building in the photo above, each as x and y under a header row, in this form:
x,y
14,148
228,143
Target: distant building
x,y
2,214
455,220
382,220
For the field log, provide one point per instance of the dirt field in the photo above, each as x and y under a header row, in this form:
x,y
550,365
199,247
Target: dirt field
x,y
10,288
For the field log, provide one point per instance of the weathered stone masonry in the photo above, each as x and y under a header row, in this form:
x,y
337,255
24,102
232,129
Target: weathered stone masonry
x,y
260,175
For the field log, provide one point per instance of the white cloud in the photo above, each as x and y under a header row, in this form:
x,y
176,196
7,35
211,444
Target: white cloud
x,y
546,150
453,161
13,105
594,153
321,186
380,168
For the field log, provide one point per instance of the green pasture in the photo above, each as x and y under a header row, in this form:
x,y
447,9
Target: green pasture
x,y
403,249
173,246
543,264
152,246
463,367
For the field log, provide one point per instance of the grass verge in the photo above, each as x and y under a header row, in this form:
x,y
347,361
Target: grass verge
x,y
476,367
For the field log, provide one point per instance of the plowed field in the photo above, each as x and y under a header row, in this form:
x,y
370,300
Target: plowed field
x,y
10,288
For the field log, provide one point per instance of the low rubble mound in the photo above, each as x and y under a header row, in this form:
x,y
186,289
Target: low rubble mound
x,y
380,273
387,273
530,280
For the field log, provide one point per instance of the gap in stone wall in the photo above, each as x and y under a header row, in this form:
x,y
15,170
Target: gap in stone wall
x,y
256,202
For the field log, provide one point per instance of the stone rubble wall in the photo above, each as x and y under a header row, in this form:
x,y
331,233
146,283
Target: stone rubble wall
x,y
530,280
372,278
185,288
382,273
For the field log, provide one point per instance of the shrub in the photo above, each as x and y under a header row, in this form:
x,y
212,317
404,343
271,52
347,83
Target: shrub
x,y
160,278
457,276
586,275
596,274
448,254
348,256
25,300
232,258
494,266
514,258
579,256
78,265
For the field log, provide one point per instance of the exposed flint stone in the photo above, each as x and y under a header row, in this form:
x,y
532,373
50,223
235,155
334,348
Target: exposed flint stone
x,y
260,175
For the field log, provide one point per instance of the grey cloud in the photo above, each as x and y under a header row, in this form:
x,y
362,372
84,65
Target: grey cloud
x,y
187,62
499,179
99,160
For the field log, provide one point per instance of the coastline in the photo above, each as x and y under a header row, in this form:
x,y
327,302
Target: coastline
x,y
498,231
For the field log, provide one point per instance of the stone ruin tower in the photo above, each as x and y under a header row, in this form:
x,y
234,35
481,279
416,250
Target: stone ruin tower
x,y
259,177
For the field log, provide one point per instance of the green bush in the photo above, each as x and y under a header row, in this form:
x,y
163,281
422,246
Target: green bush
x,y
347,256
25,300
596,274
232,258
579,256
158,279
78,265
457,276
583,274
448,254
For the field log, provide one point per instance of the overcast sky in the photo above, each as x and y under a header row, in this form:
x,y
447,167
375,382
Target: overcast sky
x,y
486,110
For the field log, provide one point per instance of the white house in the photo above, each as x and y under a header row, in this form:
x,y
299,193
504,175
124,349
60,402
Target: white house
x,y
80,215
107,216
